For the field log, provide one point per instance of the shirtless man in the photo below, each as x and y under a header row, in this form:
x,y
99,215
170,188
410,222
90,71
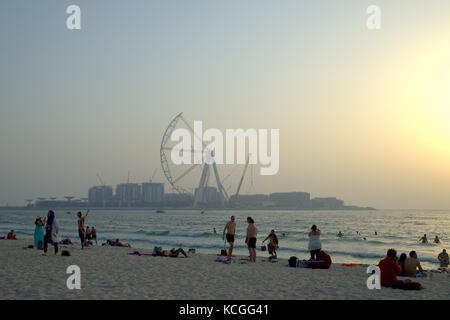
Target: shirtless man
x,y
250,240
230,228
81,227
424,239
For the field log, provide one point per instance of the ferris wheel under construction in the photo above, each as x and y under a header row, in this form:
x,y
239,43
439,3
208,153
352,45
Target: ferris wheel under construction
x,y
178,176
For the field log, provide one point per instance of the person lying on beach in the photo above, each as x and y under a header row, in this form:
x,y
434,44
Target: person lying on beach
x,y
66,241
436,239
11,235
173,253
424,239
443,258
389,269
273,243
117,243
413,267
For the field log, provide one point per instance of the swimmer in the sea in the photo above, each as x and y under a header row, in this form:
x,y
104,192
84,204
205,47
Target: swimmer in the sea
x,y
424,239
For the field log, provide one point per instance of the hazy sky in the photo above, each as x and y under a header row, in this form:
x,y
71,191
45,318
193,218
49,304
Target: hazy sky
x,y
363,115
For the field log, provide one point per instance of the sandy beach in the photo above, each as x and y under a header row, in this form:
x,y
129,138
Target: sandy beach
x,y
111,273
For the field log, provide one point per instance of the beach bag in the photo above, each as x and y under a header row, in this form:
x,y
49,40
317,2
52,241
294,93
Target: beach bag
x,y
191,250
40,245
293,262
223,252
263,248
65,253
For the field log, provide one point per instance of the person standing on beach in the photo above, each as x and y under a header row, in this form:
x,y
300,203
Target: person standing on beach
x,y
230,230
81,231
250,240
314,245
39,232
51,232
273,243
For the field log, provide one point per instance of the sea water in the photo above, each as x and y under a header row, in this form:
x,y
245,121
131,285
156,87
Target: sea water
x,y
398,229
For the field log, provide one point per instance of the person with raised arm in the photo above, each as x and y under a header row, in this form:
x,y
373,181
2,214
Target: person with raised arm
x,y
81,231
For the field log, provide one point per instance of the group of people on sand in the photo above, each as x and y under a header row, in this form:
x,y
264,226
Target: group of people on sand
x,y
229,233
392,266
47,232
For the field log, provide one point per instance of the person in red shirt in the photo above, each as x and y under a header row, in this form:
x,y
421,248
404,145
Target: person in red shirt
x,y
389,269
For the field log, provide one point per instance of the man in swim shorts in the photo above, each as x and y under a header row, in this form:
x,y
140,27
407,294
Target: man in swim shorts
x,y
230,229
250,240
81,231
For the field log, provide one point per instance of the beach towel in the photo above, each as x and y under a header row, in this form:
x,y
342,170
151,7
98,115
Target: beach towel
x,y
220,259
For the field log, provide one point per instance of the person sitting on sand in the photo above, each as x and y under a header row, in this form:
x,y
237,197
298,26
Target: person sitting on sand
x,y
250,240
117,243
401,263
436,239
412,266
314,245
173,253
389,269
11,235
273,243
340,235
88,233
443,258
94,234
424,239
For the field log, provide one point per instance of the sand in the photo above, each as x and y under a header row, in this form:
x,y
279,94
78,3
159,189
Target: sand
x,y
110,273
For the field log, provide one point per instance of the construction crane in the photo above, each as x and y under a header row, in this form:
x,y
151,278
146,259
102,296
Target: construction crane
x,y
153,175
100,179
103,190
242,179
